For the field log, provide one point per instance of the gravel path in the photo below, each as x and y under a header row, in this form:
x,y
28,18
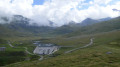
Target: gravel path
x,y
10,44
26,50
91,42
41,58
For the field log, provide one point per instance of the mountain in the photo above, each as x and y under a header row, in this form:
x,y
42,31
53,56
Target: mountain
x,y
105,19
21,26
105,26
88,21
73,26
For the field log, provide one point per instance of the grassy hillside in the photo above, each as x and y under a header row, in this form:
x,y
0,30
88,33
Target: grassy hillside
x,y
16,54
103,53
88,26
113,24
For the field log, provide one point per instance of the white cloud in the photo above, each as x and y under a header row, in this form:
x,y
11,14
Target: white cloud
x,y
102,1
59,11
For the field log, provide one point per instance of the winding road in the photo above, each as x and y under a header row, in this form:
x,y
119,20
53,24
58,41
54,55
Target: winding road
x,y
10,44
91,42
41,57
26,50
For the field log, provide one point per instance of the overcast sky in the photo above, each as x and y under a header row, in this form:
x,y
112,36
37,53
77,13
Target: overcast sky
x,y
60,11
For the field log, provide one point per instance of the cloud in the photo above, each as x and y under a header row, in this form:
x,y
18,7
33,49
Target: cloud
x,y
102,1
59,11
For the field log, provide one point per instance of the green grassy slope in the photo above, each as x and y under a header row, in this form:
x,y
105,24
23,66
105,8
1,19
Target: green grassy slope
x,y
10,55
103,53
105,26
90,27
16,54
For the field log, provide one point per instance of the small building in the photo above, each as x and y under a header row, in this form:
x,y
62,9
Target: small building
x,y
2,48
45,49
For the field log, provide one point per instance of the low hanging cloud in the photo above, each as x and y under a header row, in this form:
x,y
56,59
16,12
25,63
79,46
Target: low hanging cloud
x,y
60,11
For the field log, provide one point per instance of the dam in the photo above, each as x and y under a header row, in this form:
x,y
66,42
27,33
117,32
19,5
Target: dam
x,y
45,49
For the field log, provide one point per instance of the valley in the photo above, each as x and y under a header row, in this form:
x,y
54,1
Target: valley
x,y
76,45
59,33
103,52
